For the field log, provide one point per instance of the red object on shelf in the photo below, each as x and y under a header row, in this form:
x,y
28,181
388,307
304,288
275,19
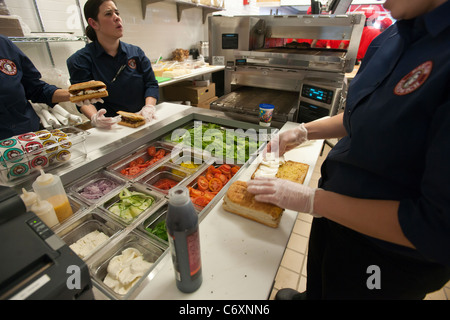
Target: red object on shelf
x,y
246,2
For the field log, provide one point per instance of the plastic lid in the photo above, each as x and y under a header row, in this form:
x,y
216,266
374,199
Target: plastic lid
x,y
41,206
266,106
179,196
28,197
45,179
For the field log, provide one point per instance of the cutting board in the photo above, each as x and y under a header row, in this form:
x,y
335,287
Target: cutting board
x,y
161,79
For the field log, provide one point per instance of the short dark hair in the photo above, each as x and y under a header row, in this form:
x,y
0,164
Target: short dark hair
x,y
91,9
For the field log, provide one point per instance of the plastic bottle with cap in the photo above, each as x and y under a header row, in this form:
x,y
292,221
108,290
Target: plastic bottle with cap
x,y
49,187
184,240
44,210
29,198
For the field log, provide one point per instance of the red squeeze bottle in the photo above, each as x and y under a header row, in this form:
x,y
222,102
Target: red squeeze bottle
x,y
184,240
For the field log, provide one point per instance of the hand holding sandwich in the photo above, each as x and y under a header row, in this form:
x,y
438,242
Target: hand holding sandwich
x,y
148,112
283,193
100,121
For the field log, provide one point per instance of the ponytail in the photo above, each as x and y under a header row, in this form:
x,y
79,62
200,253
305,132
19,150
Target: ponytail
x,y
91,34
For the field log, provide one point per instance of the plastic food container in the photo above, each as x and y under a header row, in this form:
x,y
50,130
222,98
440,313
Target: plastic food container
x,y
23,155
97,187
141,162
135,209
152,252
92,221
164,178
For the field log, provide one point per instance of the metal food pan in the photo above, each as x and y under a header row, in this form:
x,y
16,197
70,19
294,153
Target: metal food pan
x,y
158,197
187,159
78,189
192,185
86,224
164,172
119,168
153,221
152,252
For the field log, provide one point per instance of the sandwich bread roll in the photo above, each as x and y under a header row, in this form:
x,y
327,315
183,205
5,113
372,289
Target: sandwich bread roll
x,y
241,202
87,90
130,119
273,167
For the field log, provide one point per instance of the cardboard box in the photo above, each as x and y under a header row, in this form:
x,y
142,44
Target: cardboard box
x,y
206,104
185,91
10,27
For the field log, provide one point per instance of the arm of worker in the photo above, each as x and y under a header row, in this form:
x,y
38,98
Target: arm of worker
x,y
60,95
375,218
327,128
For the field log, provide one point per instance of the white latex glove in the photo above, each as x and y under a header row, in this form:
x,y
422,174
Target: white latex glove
x,y
148,112
288,140
100,121
283,193
88,102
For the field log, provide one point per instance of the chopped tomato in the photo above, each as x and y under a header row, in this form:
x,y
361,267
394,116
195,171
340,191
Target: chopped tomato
x,y
221,177
151,151
160,153
209,176
225,169
215,184
234,170
201,201
195,193
213,170
202,183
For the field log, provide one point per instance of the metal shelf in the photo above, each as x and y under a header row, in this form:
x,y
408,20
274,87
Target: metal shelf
x,y
182,5
43,39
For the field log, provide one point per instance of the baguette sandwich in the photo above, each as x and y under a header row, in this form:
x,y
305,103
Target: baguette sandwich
x,y
87,90
241,202
130,119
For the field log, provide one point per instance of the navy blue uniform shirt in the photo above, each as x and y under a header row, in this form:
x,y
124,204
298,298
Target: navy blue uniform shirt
x,y
19,82
132,85
397,119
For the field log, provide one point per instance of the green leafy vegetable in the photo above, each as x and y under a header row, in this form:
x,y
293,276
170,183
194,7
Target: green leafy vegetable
x,y
159,230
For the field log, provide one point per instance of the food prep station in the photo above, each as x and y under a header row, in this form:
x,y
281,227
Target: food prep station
x,y
240,257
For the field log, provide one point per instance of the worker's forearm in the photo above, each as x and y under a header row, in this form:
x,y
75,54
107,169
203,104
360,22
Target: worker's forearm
x,y
326,128
60,95
375,218
88,110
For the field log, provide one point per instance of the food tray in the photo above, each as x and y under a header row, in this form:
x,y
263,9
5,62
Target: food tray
x,y
188,160
101,178
209,194
171,172
231,145
122,167
89,222
158,197
152,252
158,217
23,155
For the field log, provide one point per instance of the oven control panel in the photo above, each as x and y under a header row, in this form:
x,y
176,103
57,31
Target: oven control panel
x,y
317,93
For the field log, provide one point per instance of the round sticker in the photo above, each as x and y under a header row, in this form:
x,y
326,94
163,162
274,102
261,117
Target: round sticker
x,y
413,80
34,147
27,136
132,63
6,143
39,161
18,169
13,155
8,67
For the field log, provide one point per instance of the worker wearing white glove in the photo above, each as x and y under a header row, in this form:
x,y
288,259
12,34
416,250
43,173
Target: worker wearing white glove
x,y
288,140
100,121
148,112
283,193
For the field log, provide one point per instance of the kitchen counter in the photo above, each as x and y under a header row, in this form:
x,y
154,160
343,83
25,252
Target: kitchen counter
x,y
194,73
240,257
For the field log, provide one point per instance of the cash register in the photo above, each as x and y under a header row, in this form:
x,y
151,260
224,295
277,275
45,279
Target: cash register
x,y
36,263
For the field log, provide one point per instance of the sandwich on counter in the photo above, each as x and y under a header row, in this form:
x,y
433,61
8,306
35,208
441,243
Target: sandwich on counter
x,y
239,201
130,119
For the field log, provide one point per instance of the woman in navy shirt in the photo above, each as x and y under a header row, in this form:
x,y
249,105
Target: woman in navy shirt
x,y
384,193
20,82
123,67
